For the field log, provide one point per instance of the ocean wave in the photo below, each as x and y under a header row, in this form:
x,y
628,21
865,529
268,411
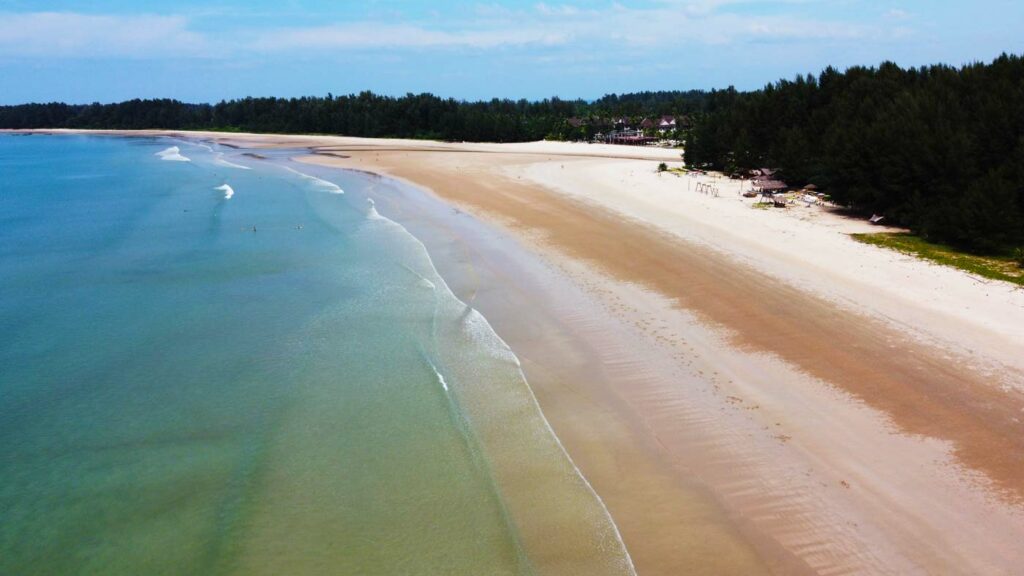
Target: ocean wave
x,y
421,280
438,375
227,190
219,159
172,154
480,331
319,182
372,213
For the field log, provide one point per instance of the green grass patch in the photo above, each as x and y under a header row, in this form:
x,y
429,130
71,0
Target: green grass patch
x,y
1003,268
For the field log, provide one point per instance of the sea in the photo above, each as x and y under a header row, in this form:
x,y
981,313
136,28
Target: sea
x,y
223,361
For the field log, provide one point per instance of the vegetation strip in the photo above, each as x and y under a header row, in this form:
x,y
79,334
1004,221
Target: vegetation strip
x,y
1003,268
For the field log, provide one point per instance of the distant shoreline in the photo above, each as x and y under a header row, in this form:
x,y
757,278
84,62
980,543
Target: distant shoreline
x,y
734,383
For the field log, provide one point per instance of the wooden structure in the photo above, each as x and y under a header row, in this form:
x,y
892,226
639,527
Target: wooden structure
x,y
767,188
770,186
627,137
707,188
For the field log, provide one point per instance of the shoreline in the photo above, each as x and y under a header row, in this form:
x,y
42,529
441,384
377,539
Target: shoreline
x,y
525,299
867,415
706,395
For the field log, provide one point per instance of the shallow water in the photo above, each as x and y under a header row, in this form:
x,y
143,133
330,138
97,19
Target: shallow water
x,y
215,364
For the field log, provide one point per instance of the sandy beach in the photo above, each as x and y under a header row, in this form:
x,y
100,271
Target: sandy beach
x,y
748,391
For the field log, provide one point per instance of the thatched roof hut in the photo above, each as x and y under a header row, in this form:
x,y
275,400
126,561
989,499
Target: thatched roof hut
x,y
769,185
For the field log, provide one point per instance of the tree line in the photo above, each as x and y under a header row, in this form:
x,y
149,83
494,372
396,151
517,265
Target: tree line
x,y
365,114
937,149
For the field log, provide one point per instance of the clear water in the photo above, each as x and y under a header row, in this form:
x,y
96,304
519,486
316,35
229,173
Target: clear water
x,y
268,378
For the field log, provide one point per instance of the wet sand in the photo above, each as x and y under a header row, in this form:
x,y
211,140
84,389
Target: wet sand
x,y
846,444
671,526
734,421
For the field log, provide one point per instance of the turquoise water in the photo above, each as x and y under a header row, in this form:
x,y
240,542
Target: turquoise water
x,y
267,377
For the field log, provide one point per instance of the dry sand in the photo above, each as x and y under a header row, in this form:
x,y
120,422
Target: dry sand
x,y
748,391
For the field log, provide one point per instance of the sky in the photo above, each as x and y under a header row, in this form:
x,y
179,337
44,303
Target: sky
x,y
208,50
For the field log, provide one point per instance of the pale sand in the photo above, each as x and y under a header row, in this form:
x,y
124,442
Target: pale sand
x,y
746,390
796,446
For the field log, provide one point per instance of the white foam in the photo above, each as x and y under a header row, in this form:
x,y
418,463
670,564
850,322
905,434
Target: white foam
x,y
372,213
219,159
319,182
477,325
228,191
440,377
172,154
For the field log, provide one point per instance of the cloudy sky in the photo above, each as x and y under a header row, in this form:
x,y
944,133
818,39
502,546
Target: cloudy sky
x,y
206,50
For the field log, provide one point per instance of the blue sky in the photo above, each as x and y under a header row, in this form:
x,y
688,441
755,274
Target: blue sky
x,y
206,50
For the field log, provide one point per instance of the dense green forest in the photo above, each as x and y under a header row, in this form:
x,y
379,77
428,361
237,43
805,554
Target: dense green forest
x,y
937,149
365,114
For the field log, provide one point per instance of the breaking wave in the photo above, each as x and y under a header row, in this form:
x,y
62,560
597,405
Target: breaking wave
x,y
318,182
371,212
172,154
475,327
227,190
219,159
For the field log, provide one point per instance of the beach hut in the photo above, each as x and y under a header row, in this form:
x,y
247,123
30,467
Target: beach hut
x,y
771,186
767,189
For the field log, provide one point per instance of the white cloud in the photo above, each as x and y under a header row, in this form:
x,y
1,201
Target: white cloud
x,y
81,35
557,10
680,23
372,35
897,14
672,24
